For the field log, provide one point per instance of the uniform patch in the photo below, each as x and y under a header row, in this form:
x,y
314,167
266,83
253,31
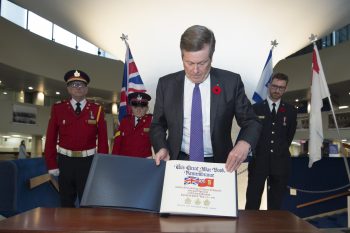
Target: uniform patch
x,y
261,117
146,130
91,122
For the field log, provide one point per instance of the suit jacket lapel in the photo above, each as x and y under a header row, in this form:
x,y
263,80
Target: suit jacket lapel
x,y
214,100
179,100
266,109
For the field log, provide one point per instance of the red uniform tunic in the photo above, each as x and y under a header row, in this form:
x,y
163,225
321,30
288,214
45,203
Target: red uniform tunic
x,y
133,140
75,132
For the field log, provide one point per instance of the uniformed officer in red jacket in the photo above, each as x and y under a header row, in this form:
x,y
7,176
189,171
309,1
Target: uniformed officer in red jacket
x,y
75,126
132,137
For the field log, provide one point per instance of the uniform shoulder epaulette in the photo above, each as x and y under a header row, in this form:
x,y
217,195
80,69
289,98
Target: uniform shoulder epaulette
x,y
60,101
95,104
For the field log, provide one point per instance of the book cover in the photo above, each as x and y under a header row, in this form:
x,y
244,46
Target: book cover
x,y
124,182
174,187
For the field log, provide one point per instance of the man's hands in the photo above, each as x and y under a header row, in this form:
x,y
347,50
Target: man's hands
x,y
162,154
237,155
55,172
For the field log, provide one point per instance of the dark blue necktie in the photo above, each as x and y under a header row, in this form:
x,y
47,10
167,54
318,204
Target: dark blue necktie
x,y
196,136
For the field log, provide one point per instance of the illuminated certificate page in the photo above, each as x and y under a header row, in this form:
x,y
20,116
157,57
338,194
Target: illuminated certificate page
x,y
199,188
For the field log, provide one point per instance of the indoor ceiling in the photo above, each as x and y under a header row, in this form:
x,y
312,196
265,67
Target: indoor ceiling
x,y
243,27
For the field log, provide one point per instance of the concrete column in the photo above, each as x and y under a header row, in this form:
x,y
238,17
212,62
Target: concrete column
x,y
37,147
39,99
20,97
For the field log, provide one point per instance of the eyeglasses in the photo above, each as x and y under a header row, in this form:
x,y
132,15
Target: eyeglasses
x,y
77,84
279,88
139,104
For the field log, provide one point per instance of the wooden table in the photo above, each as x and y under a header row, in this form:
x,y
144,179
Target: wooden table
x,y
112,220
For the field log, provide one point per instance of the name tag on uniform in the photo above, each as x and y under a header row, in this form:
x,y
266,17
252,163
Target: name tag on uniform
x,y
146,130
261,117
92,122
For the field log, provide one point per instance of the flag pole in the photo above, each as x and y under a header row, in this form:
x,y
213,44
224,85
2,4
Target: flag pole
x,y
313,39
274,44
261,90
125,38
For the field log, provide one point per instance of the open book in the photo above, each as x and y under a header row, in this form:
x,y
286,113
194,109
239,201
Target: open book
x,y
174,187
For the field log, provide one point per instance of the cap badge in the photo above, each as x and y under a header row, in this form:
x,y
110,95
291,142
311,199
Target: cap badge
x,y
76,74
139,98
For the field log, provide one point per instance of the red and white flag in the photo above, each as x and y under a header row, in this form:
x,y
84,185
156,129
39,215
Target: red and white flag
x,y
319,91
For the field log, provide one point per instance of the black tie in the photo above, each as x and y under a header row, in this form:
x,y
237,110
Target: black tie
x,y
273,112
137,121
78,109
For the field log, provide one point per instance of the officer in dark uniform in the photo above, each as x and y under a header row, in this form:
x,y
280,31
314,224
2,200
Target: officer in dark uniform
x,y
132,137
74,127
271,157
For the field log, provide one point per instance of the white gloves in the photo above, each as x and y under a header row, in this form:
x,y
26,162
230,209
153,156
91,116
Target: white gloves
x,y
54,172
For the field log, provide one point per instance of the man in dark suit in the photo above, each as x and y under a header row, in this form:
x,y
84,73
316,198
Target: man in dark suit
x,y
271,157
218,94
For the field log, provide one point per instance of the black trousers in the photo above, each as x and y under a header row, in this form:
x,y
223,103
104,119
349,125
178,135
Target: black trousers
x,y
73,175
184,156
276,189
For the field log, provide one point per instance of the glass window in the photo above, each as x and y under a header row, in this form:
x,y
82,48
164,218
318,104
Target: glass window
x,y
343,34
86,46
39,25
107,55
47,29
14,13
63,36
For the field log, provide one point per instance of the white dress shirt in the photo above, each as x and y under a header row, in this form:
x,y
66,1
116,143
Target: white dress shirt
x,y
271,102
73,102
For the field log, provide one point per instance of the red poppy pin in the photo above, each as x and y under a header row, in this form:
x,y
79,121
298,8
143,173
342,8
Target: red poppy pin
x,y
281,109
216,89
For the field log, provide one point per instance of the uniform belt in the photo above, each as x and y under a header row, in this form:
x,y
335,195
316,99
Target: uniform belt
x,y
72,153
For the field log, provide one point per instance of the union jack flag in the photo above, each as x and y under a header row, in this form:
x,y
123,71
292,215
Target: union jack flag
x,y
191,180
132,82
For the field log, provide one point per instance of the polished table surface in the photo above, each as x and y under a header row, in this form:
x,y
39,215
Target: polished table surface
x,y
112,220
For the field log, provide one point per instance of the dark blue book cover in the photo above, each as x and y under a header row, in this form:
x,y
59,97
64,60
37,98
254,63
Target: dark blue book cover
x,y
124,182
